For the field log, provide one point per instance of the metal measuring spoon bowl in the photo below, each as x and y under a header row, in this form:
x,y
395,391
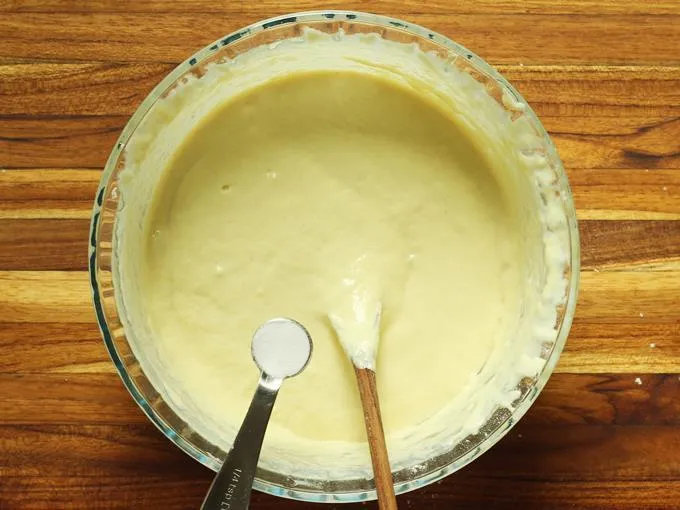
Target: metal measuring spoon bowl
x,y
281,348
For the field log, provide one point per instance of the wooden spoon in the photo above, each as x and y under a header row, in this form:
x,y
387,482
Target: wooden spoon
x,y
359,338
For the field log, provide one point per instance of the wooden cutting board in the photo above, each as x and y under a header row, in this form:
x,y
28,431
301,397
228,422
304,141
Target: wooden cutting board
x,y
603,75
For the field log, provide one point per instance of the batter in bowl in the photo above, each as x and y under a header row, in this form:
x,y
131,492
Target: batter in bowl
x,y
272,194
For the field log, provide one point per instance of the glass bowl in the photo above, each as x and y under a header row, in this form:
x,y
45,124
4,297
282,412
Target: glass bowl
x,y
102,234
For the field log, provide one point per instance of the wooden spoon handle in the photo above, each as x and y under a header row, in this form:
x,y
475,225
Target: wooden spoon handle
x,y
382,472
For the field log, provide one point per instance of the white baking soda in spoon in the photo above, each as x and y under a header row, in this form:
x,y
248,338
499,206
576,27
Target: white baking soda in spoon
x,y
281,348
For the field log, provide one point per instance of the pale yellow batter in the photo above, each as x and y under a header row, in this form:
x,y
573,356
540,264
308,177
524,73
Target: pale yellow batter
x,y
279,199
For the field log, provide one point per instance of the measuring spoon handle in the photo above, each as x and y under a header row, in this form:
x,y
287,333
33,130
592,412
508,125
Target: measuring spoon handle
x,y
232,486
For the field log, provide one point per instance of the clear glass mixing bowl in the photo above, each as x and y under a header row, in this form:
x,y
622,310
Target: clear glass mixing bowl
x,y
101,252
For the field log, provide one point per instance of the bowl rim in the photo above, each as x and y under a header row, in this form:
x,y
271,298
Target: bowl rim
x,y
351,17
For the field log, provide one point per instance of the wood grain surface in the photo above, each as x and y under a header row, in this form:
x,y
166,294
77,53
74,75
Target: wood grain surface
x,y
603,75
